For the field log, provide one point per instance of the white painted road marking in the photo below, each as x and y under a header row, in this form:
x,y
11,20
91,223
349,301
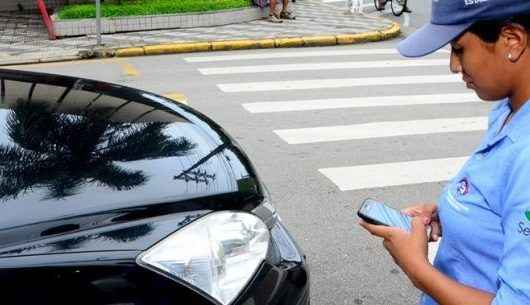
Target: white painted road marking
x,y
338,83
393,174
375,101
381,130
297,54
326,66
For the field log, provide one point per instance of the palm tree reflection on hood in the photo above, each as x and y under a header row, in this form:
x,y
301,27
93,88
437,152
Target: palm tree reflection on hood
x,y
124,235
63,152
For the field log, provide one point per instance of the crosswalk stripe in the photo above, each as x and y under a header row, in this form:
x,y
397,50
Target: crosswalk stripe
x,y
337,83
393,174
325,66
298,54
381,130
375,101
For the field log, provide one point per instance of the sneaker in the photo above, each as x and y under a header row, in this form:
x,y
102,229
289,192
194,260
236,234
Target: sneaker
x,y
287,15
274,19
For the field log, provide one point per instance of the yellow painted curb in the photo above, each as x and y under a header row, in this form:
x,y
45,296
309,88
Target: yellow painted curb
x,y
288,42
245,44
317,41
358,38
306,41
266,43
391,32
177,48
126,52
234,45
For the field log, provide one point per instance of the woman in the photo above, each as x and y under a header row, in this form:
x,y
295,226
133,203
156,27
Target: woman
x,y
484,212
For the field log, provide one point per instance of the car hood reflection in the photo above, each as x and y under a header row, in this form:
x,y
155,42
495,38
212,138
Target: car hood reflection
x,y
72,149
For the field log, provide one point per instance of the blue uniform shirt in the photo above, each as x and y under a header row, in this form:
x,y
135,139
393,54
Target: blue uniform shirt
x,y
485,213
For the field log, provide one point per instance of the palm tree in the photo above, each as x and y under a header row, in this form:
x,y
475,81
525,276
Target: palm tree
x,y
63,152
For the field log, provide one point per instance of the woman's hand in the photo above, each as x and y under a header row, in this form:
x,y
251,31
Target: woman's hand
x,y
409,249
429,211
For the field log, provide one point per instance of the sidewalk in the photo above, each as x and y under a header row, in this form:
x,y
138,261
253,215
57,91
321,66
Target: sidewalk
x,y
316,24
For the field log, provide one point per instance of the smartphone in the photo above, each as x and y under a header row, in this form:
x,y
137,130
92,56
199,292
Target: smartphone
x,y
378,213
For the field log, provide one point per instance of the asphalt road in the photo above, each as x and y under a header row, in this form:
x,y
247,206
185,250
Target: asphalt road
x,y
337,125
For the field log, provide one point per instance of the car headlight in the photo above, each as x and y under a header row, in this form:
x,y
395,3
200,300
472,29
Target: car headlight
x,y
218,253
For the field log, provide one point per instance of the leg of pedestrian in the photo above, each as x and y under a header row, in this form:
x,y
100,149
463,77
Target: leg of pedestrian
x,y
273,17
286,14
349,7
353,7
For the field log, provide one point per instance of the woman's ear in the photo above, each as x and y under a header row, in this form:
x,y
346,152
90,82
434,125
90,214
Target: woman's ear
x,y
515,40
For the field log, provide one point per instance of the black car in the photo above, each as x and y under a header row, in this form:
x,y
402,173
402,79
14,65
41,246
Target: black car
x,y
113,195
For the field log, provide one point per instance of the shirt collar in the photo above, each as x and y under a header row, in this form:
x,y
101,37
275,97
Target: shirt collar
x,y
519,125
516,129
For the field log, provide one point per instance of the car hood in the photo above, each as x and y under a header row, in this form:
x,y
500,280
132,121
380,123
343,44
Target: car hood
x,y
78,154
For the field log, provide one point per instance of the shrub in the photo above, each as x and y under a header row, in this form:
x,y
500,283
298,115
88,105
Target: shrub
x,y
116,8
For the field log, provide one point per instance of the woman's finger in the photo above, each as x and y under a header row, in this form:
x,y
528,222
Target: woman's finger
x,y
421,209
380,231
412,211
431,208
419,225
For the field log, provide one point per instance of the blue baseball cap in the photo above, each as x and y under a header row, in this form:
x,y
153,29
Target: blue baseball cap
x,y
450,18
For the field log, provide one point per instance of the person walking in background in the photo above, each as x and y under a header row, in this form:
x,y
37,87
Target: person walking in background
x,y
353,6
483,213
274,17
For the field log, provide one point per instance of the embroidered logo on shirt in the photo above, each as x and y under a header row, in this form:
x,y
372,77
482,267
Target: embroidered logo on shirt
x,y
462,187
523,229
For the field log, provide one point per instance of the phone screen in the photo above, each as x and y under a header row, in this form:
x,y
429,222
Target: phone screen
x,y
378,213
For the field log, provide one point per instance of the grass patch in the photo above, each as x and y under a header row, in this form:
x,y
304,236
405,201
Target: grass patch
x,y
148,7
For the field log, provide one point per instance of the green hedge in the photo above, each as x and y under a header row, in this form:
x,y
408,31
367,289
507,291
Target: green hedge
x,y
148,7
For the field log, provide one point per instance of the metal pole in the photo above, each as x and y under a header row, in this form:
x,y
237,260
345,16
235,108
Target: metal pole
x,y
98,22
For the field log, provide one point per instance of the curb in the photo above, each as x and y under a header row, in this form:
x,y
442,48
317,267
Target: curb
x,y
29,61
307,41
189,47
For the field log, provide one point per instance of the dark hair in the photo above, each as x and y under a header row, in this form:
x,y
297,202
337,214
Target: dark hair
x,y
490,30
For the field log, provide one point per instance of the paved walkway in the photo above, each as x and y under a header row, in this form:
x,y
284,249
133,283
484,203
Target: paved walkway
x,y
27,42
